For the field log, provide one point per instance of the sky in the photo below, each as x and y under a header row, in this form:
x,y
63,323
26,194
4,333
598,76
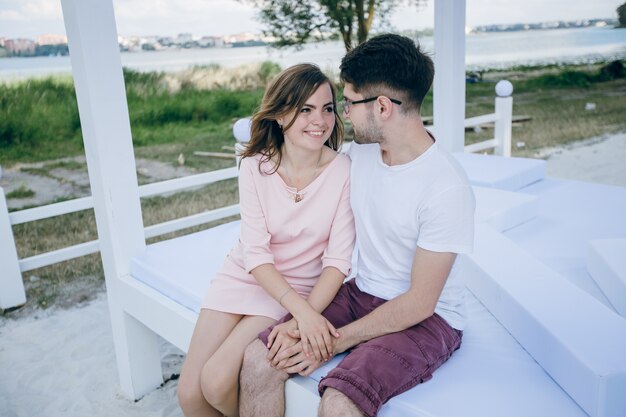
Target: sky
x,y
30,18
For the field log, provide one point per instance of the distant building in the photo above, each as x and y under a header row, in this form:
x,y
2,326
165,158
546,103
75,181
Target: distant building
x,y
20,46
184,38
210,42
241,37
166,41
49,39
129,43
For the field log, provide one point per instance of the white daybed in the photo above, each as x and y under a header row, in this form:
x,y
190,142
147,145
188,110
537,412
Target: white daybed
x,y
534,346
525,351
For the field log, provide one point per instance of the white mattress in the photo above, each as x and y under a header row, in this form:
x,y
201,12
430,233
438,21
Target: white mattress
x,y
182,268
490,376
606,264
509,174
570,214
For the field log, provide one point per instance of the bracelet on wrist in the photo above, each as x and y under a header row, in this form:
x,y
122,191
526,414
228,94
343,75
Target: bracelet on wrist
x,y
280,300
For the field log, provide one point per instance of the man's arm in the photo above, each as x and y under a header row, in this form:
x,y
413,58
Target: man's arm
x,y
429,273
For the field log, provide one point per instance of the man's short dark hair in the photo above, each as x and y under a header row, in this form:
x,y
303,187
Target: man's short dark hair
x,y
389,64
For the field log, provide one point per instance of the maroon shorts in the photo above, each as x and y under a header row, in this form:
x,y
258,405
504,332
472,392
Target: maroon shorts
x,y
374,371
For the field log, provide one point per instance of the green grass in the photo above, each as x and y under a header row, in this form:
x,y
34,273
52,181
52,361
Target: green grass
x,y
188,113
21,192
157,115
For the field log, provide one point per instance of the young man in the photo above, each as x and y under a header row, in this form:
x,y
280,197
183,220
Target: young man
x,y
402,316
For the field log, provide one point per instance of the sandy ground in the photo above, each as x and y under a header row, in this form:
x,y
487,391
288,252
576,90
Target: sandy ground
x,y
601,160
61,362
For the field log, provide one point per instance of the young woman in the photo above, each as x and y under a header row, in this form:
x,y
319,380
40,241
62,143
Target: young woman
x,y
295,246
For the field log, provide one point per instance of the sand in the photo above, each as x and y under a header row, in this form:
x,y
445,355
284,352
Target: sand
x,y
60,362
601,160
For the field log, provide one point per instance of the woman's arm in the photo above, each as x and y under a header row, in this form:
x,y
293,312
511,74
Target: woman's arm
x,y
315,330
259,261
336,264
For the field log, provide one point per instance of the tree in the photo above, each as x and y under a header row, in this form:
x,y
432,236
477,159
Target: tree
x,y
621,16
293,22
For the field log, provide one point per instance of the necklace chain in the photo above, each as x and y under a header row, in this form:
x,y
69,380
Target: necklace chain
x,y
297,195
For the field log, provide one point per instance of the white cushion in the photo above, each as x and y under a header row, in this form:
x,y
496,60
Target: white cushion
x,y
606,263
569,215
574,337
503,209
500,172
183,267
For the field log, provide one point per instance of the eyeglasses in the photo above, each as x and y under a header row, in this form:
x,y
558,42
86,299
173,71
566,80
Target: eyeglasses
x,y
346,103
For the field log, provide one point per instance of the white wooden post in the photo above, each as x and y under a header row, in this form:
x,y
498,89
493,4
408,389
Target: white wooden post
x,y
241,132
99,83
11,285
504,123
449,84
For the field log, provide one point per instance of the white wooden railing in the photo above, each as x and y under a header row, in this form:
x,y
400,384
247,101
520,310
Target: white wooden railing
x,y
502,119
11,267
12,292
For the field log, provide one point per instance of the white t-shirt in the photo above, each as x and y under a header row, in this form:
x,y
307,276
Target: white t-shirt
x,y
427,202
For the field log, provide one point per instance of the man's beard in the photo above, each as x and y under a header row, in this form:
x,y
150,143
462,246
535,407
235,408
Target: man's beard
x,y
369,134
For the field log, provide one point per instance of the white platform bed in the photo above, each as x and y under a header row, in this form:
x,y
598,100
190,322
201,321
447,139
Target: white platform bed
x,y
521,354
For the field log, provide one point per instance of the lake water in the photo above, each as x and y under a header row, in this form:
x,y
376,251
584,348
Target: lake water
x,y
489,50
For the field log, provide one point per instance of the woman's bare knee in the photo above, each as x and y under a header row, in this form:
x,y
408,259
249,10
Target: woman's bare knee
x,y
217,387
189,394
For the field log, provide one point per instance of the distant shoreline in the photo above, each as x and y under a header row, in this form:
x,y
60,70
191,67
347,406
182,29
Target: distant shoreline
x,y
562,64
61,49
485,51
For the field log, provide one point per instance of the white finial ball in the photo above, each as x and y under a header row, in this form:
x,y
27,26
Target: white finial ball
x,y
504,88
241,130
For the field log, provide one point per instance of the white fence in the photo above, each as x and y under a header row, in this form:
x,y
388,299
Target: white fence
x,y
11,267
12,292
502,119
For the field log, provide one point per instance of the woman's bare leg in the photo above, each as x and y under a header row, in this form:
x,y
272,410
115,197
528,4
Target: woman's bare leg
x,y
220,374
212,328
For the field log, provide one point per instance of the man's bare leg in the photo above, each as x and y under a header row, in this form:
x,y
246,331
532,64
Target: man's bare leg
x,y
262,388
335,404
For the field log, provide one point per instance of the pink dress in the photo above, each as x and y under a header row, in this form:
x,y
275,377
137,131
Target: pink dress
x,y
300,239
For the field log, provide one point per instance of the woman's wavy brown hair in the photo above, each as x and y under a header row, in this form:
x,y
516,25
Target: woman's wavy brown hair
x,y
287,92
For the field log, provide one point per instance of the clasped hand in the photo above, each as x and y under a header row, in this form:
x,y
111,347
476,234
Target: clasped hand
x,y
301,346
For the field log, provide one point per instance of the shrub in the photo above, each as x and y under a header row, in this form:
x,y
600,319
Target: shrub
x,y
267,71
566,78
612,71
37,112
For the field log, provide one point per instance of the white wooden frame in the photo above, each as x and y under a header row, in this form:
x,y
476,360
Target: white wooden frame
x,y
449,83
137,313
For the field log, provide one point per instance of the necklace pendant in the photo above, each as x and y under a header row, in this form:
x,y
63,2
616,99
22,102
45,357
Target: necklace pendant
x,y
297,198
